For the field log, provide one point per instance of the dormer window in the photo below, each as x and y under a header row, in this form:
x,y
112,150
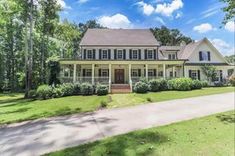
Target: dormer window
x,y
150,54
89,54
204,56
171,57
105,54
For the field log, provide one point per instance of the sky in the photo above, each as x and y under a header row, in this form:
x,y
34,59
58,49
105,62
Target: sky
x,y
194,18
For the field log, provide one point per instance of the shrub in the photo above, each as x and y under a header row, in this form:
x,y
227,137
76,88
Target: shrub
x,y
154,85
32,94
163,84
204,83
181,84
57,92
44,92
103,104
196,84
77,88
232,80
67,89
87,89
141,87
149,99
102,90
144,80
218,84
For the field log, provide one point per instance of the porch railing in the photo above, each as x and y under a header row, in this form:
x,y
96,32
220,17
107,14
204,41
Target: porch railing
x,y
101,80
66,79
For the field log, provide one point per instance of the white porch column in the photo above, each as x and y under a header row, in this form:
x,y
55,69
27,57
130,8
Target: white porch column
x,y
129,72
110,77
164,71
93,74
173,70
146,71
74,72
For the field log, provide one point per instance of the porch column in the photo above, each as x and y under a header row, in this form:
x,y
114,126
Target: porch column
x,y
164,71
110,77
74,72
130,72
146,71
173,70
93,74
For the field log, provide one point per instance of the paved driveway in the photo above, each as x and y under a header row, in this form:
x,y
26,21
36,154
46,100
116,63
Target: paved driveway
x,y
42,136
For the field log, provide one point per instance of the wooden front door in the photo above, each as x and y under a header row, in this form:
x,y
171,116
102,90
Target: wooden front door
x,y
119,76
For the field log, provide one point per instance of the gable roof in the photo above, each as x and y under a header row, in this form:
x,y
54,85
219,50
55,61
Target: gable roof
x,y
118,37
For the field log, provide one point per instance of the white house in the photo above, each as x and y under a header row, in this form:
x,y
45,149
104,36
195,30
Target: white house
x,y
123,56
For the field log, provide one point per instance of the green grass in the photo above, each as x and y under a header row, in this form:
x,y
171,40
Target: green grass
x,y
13,108
209,136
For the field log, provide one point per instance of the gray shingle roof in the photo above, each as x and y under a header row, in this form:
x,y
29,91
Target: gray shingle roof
x,y
118,37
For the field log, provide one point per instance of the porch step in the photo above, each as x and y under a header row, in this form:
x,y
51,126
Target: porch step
x,y
120,88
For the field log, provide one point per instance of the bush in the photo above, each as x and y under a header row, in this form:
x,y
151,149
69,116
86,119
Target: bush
x,y
77,89
141,87
163,84
232,80
87,89
44,92
57,92
181,84
196,84
144,80
103,104
218,84
67,89
102,90
154,85
205,83
32,94
149,99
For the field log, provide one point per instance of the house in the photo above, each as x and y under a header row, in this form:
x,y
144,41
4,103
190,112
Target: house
x,y
120,57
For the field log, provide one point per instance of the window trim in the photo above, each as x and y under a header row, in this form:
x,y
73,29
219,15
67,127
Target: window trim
x,y
151,71
137,54
134,71
150,51
88,71
104,50
104,71
118,52
195,77
89,50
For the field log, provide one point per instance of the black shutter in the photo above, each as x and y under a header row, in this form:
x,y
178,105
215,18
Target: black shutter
x,y
145,54
154,54
221,75
154,72
209,56
130,54
200,55
100,53
99,72
94,54
139,72
198,75
144,72
139,54
124,54
109,53
115,54
84,72
84,54
189,73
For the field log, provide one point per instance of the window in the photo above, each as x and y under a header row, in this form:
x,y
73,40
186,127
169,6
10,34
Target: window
x,y
134,54
134,72
204,56
217,77
151,72
171,56
104,72
171,74
120,54
66,72
105,54
194,75
89,54
88,72
150,54
160,73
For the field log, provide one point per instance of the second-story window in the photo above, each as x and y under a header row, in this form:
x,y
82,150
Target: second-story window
x,y
105,54
134,54
119,54
150,54
204,56
89,54
171,56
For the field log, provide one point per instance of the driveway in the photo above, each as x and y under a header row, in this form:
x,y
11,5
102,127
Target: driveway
x,y
42,136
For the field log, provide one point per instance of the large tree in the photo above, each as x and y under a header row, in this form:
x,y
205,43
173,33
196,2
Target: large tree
x,y
229,10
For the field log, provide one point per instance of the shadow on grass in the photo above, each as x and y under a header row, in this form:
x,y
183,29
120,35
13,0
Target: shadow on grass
x,y
227,118
20,110
141,143
13,102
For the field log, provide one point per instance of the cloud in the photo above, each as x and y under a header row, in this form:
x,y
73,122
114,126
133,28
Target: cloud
x,y
82,1
222,46
116,21
178,15
147,9
203,28
63,4
212,10
160,20
167,9
230,26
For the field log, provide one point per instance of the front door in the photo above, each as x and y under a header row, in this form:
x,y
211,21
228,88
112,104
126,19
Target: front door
x,y
119,76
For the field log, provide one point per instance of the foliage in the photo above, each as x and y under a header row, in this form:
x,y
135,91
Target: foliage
x,y
87,89
229,10
77,88
219,84
204,83
170,36
32,94
44,92
163,84
181,84
209,71
54,70
196,84
103,104
141,87
67,89
143,79
154,85
102,90
232,80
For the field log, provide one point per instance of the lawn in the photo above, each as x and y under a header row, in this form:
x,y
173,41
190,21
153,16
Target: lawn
x,y
210,136
13,108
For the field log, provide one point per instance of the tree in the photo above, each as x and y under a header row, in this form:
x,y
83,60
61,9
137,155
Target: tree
x,y
54,70
169,36
210,72
229,10
89,24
